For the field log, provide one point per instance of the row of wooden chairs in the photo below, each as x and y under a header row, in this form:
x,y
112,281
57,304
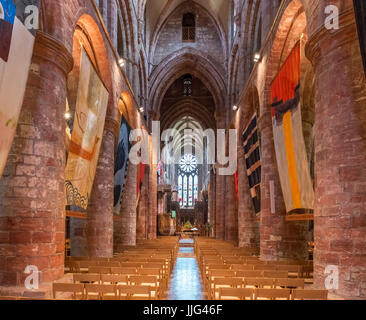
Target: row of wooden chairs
x,y
92,291
271,294
262,283
292,270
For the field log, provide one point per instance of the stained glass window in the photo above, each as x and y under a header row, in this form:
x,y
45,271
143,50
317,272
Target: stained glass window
x,y
195,189
188,181
180,190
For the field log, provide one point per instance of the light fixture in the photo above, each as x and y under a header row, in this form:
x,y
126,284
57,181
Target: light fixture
x,y
235,108
67,115
257,57
121,62
142,109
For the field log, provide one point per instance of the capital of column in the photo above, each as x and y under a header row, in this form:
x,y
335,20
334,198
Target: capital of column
x,y
338,37
52,50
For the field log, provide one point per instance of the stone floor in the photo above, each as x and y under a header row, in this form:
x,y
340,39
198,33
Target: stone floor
x,y
186,283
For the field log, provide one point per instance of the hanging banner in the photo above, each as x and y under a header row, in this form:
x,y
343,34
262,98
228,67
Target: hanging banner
x,y
360,12
253,161
121,166
292,163
140,178
236,181
16,49
87,133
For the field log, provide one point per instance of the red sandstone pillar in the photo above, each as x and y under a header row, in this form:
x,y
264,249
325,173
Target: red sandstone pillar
x,y
99,226
142,216
340,219
125,231
32,194
279,239
231,214
247,226
220,206
212,203
153,196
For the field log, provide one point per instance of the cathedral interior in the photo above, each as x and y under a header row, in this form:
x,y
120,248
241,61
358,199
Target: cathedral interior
x,y
183,149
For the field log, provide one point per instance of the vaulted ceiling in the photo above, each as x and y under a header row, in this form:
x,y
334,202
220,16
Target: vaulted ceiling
x,y
161,9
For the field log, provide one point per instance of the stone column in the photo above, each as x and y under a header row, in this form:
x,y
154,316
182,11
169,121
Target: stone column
x,y
247,226
99,226
125,230
212,202
153,196
279,239
220,206
32,192
340,152
231,214
142,216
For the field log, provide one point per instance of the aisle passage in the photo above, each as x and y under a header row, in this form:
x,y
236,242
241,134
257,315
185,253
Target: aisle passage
x,y
186,283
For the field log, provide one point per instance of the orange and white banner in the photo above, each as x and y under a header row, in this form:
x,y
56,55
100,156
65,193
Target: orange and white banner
x,y
87,134
292,162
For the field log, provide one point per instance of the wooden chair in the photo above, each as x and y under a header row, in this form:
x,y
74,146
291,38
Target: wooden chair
x,y
290,283
144,280
223,282
150,272
242,267
96,269
108,264
265,267
249,274
86,278
235,294
307,271
101,292
134,293
116,279
267,283
77,289
293,270
301,294
131,265
275,274
272,294
123,271
151,281
72,266
213,274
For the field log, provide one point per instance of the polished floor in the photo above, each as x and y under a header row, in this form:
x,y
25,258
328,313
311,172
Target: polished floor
x,y
186,283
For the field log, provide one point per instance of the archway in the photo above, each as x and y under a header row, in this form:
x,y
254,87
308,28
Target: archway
x,y
295,231
89,50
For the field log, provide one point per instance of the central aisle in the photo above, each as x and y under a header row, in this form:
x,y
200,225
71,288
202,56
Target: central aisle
x,y
186,282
